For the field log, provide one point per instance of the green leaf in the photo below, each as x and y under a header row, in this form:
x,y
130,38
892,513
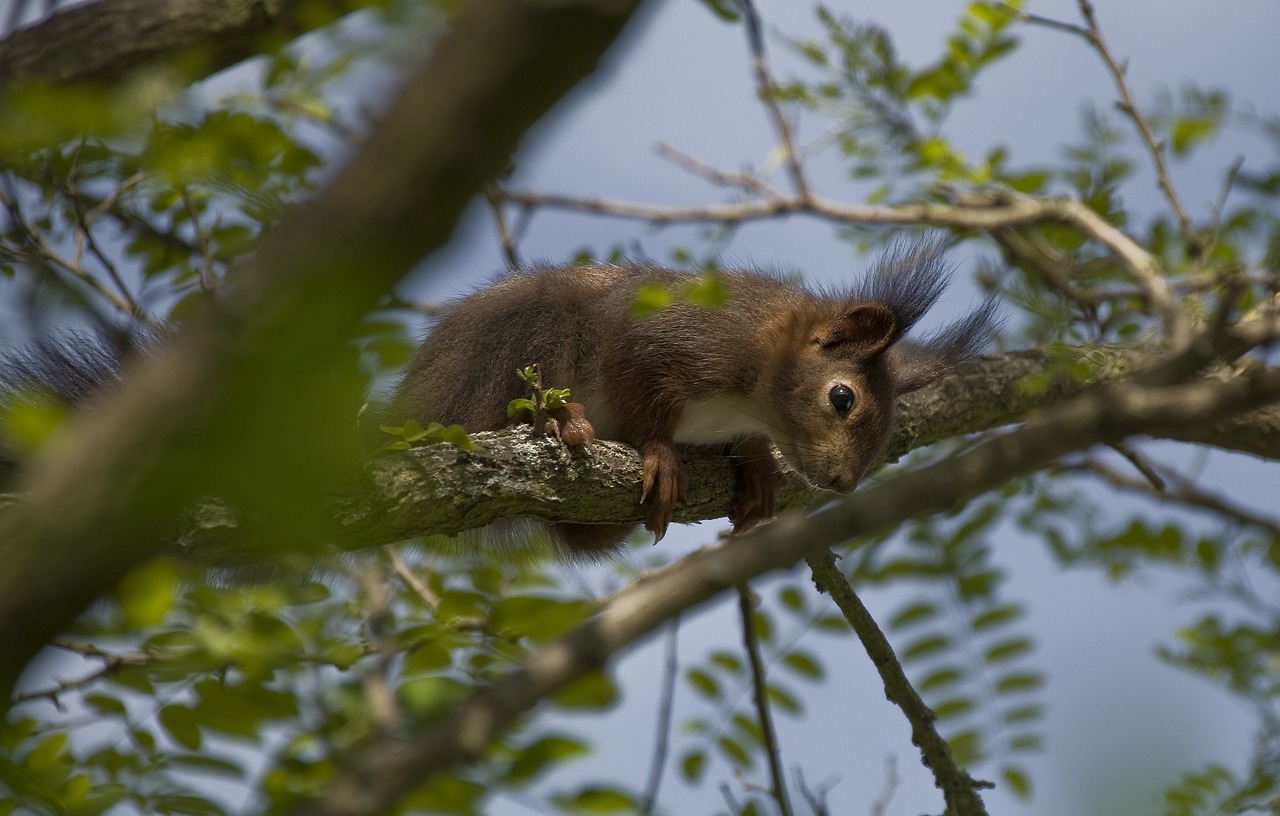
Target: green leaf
x,y
650,298
538,617
1019,681
1023,713
427,697
732,749
1017,781
1007,649
998,616
804,664
599,799
726,660
521,404
966,746
181,724
954,707
792,598
703,683
939,678
447,794
783,699
594,690
145,594
831,623
534,759
105,704
726,10
926,646
707,290
457,436
692,765
912,614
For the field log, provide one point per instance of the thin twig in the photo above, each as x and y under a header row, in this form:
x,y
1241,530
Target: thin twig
x,y
815,798
958,788
379,693
1141,465
881,804
493,194
1091,33
1127,105
751,645
39,252
111,663
742,180
410,578
765,87
985,212
86,233
208,280
1183,493
666,707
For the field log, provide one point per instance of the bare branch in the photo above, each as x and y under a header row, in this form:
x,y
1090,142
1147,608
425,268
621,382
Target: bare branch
x,y
493,196
1128,106
958,788
1183,493
759,695
765,88
662,727
410,579
104,41
1091,33
983,211
748,182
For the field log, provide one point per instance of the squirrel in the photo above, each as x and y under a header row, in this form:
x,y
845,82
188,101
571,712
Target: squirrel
x,y
814,374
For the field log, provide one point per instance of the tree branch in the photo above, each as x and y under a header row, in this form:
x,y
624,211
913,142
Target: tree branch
x,y
104,41
442,489
958,788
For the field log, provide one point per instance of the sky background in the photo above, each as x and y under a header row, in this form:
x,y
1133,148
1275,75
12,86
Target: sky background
x,y
1119,722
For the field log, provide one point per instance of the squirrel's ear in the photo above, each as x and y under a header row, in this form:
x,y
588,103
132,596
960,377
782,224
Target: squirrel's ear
x,y
868,328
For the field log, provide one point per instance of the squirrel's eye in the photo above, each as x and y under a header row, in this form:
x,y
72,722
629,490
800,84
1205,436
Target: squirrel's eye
x,y
841,397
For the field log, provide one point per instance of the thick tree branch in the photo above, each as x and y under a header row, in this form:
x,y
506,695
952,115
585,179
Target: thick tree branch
x,y
103,41
441,489
251,384
376,775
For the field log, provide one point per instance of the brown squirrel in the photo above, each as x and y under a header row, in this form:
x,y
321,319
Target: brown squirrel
x,y
815,374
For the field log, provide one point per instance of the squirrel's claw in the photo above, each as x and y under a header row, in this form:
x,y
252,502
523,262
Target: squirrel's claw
x,y
571,424
662,484
760,481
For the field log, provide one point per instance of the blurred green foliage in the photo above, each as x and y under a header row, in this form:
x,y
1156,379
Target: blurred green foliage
x,y
197,693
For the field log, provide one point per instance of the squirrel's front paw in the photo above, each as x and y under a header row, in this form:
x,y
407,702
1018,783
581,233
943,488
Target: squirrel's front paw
x,y
663,485
759,484
570,423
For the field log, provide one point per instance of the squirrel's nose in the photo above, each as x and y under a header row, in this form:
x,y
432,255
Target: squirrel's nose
x,y
843,483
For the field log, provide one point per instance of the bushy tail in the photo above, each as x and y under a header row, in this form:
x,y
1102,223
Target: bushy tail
x,y
916,363
51,374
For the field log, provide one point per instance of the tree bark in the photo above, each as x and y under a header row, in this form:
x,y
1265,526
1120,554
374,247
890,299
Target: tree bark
x,y
103,41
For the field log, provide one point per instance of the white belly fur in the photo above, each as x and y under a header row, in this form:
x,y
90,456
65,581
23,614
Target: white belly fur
x,y
723,419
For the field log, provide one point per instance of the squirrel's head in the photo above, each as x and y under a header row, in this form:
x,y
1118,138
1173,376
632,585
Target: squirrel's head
x,y
838,389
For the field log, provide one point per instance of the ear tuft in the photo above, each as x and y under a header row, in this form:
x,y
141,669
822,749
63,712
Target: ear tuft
x,y
867,328
913,365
